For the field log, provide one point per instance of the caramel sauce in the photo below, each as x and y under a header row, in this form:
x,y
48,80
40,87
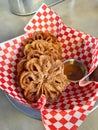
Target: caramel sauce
x,y
73,71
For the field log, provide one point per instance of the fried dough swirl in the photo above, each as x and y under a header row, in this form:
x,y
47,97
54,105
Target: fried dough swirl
x,y
40,47
40,35
43,77
41,70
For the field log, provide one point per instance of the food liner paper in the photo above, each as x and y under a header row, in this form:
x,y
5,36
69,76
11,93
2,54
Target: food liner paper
x,y
76,102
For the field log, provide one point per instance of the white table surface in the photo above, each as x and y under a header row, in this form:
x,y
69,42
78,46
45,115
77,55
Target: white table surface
x,y
84,17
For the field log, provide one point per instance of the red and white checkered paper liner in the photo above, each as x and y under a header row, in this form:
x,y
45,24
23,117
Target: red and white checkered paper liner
x,y
76,102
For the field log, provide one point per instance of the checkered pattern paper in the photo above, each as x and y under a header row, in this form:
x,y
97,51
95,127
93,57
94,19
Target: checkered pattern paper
x,y
70,110
10,53
45,19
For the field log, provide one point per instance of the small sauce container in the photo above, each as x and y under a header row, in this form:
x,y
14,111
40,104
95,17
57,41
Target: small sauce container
x,y
74,69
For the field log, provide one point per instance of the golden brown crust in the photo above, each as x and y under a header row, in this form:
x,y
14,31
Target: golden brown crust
x,y
28,41
40,47
41,71
21,65
43,77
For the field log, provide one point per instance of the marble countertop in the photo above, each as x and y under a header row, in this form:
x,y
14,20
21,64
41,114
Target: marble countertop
x,y
82,16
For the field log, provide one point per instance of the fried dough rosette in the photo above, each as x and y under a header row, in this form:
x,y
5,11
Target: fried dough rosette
x,y
43,77
41,70
40,35
40,47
